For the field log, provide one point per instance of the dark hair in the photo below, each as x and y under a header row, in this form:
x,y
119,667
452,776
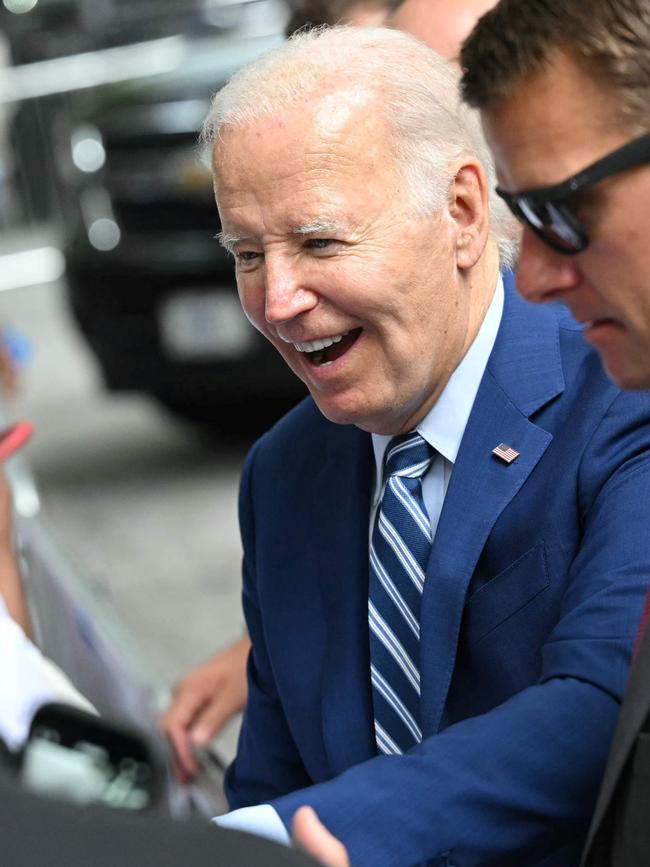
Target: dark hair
x,y
519,37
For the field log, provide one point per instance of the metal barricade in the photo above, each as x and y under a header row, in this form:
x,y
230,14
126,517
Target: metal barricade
x,y
77,627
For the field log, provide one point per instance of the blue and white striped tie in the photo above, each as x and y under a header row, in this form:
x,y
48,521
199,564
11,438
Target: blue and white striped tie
x,y
399,550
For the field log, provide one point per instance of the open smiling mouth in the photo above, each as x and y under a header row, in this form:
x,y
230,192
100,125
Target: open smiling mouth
x,y
329,349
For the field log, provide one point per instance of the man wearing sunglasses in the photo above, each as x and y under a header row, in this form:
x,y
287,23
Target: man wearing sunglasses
x,y
564,92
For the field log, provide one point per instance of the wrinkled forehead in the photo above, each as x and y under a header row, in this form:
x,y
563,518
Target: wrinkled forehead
x,y
326,162
326,130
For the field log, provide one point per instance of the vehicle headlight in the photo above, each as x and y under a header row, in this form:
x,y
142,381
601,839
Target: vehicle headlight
x,y
18,7
87,149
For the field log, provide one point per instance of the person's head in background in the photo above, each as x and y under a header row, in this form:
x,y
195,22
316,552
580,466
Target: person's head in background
x,y
362,13
561,84
440,24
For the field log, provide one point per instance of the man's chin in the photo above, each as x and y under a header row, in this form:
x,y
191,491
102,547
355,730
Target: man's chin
x,y
370,420
343,411
630,373
337,414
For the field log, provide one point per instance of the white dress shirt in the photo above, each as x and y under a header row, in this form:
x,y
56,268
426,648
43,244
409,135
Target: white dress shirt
x,y
443,428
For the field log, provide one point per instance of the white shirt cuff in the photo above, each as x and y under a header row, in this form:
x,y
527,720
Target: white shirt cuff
x,y
261,820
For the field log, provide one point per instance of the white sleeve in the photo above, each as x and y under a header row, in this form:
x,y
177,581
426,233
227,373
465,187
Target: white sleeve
x,y
23,685
261,820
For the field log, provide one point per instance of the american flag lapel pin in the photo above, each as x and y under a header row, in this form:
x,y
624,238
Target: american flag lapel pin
x,y
505,453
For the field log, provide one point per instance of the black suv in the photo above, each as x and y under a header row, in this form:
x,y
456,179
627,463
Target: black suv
x,y
149,286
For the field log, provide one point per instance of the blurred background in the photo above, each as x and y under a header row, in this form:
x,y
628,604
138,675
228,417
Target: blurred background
x,y
118,309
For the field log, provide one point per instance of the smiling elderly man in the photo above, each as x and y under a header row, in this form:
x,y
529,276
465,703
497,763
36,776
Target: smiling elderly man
x,y
437,573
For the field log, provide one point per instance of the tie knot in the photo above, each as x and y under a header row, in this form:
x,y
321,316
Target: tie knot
x,y
407,455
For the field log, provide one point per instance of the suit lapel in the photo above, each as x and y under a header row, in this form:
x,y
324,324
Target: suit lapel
x,y
342,491
524,373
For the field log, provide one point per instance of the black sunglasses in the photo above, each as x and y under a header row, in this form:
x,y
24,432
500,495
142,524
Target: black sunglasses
x,y
547,210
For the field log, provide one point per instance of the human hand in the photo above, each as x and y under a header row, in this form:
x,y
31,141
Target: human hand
x,y
204,701
314,838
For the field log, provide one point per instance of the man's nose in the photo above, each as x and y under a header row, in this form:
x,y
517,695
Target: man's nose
x,y
286,293
543,274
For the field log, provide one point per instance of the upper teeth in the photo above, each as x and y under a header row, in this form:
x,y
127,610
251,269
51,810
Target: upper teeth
x,y
315,345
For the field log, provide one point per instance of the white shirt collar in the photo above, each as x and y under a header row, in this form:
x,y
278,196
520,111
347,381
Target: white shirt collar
x,y
444,425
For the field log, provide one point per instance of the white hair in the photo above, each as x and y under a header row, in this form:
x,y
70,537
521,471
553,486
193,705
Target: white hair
x,y
418,90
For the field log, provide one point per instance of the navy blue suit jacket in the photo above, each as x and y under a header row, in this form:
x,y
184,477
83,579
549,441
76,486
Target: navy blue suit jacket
x,y
533,594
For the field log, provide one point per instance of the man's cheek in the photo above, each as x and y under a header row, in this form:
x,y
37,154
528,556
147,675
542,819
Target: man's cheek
x,y
252,302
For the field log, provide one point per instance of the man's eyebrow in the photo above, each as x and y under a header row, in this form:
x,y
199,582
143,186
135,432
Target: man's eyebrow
x,y
229,239
319,226
316,226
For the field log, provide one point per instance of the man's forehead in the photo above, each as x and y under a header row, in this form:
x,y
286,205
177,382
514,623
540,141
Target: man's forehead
x,y
311,171
566,92
554,122
327,116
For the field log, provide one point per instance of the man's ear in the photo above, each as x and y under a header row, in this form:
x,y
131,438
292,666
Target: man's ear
x,y
468,207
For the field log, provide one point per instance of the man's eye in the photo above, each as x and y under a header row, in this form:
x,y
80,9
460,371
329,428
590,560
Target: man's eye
x,y
320,243
246,258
